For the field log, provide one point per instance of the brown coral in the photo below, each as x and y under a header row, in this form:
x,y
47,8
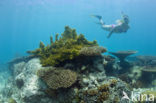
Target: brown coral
x,y
103,96
103,88
92,51
92,92
57,78
113,83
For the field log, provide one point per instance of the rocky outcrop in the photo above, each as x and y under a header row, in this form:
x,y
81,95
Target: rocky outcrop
x,y
26,87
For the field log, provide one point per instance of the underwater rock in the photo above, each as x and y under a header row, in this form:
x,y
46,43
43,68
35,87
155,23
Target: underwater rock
x,y
92,79
18,68
110,65
31,89
4,76
5,87
19,59
136,72
109,59
19,83
85,64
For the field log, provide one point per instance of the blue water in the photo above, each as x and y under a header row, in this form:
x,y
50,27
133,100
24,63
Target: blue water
x,y
24,23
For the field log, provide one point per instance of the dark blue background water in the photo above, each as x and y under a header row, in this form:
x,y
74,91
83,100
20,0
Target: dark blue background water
x,y
24,23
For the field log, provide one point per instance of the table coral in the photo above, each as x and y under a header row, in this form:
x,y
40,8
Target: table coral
x,y
92,51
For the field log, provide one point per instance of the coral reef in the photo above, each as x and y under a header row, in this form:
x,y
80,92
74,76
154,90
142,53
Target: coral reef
x,y
57,78
150,74
149,69
103,97
121,55
102,91
90,87
92,51
66,47
72,69
147,60
113,83
104,88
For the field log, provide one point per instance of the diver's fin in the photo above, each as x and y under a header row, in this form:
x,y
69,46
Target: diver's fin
x,y
99,17
109,35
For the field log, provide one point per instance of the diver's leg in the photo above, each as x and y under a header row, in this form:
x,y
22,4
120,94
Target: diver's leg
x,y
107,27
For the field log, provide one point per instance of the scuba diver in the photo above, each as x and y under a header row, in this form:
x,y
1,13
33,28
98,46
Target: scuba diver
x,y
121,26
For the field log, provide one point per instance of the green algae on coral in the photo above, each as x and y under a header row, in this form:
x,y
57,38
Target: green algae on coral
x,y
11,100
65,47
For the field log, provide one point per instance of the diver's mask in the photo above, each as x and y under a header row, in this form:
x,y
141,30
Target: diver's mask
x,y
126,19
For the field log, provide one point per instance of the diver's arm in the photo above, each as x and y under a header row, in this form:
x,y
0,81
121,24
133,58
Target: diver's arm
x,y
110,33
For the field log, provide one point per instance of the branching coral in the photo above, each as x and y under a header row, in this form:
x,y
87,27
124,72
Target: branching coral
x,y
65,47
57,78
